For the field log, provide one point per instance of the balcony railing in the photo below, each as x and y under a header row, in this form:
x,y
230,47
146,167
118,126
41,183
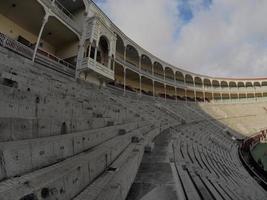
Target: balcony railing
x,y
42,57
89,63
190,86
64,14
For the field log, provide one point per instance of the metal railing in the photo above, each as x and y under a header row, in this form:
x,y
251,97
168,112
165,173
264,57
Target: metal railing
x,y
55,58
97,67
27,51
64,14
16,46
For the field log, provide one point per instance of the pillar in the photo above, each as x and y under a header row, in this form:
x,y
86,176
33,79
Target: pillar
x,y
39,36
96,48
124,55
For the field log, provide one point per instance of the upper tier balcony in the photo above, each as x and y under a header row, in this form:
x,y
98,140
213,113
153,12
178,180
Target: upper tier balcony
x,y
102,71
64,14
189,86
42,57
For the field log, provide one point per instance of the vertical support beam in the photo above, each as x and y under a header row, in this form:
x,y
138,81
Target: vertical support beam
x,y
124,54
96,48
89,51
109,62
124,80
40,35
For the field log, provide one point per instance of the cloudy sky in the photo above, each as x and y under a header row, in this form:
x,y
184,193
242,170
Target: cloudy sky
x,y
213,37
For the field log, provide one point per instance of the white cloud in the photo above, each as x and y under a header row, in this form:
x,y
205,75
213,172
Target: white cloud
x,y
227,39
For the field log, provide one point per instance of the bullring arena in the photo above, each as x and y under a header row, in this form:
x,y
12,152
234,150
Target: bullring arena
x,y
88,114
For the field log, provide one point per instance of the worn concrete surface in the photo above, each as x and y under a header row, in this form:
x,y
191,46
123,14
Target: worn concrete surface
x,y
155,179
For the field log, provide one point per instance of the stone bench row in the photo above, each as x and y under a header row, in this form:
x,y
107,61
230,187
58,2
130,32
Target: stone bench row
x,y
23,156
65,179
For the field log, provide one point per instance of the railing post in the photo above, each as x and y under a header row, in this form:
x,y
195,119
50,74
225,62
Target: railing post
x,y
4,41
39,36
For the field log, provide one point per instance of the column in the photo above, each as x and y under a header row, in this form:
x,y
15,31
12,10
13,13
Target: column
x,y
109,62
39,36
124,55
95,55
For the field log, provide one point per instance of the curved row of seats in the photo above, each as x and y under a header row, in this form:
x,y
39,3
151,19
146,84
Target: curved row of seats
x,y
58,137
208,165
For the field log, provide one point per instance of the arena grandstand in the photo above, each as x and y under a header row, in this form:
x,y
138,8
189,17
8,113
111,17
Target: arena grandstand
x,y
87,114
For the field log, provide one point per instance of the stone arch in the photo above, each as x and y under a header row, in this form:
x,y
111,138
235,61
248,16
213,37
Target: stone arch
x,y
132,56
179,76
207,82
120,48
249,84
256,84
215,83
189,79
158,70
146,64
169,74
224,84
264,83
198,81
232,84
240,84
103,51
